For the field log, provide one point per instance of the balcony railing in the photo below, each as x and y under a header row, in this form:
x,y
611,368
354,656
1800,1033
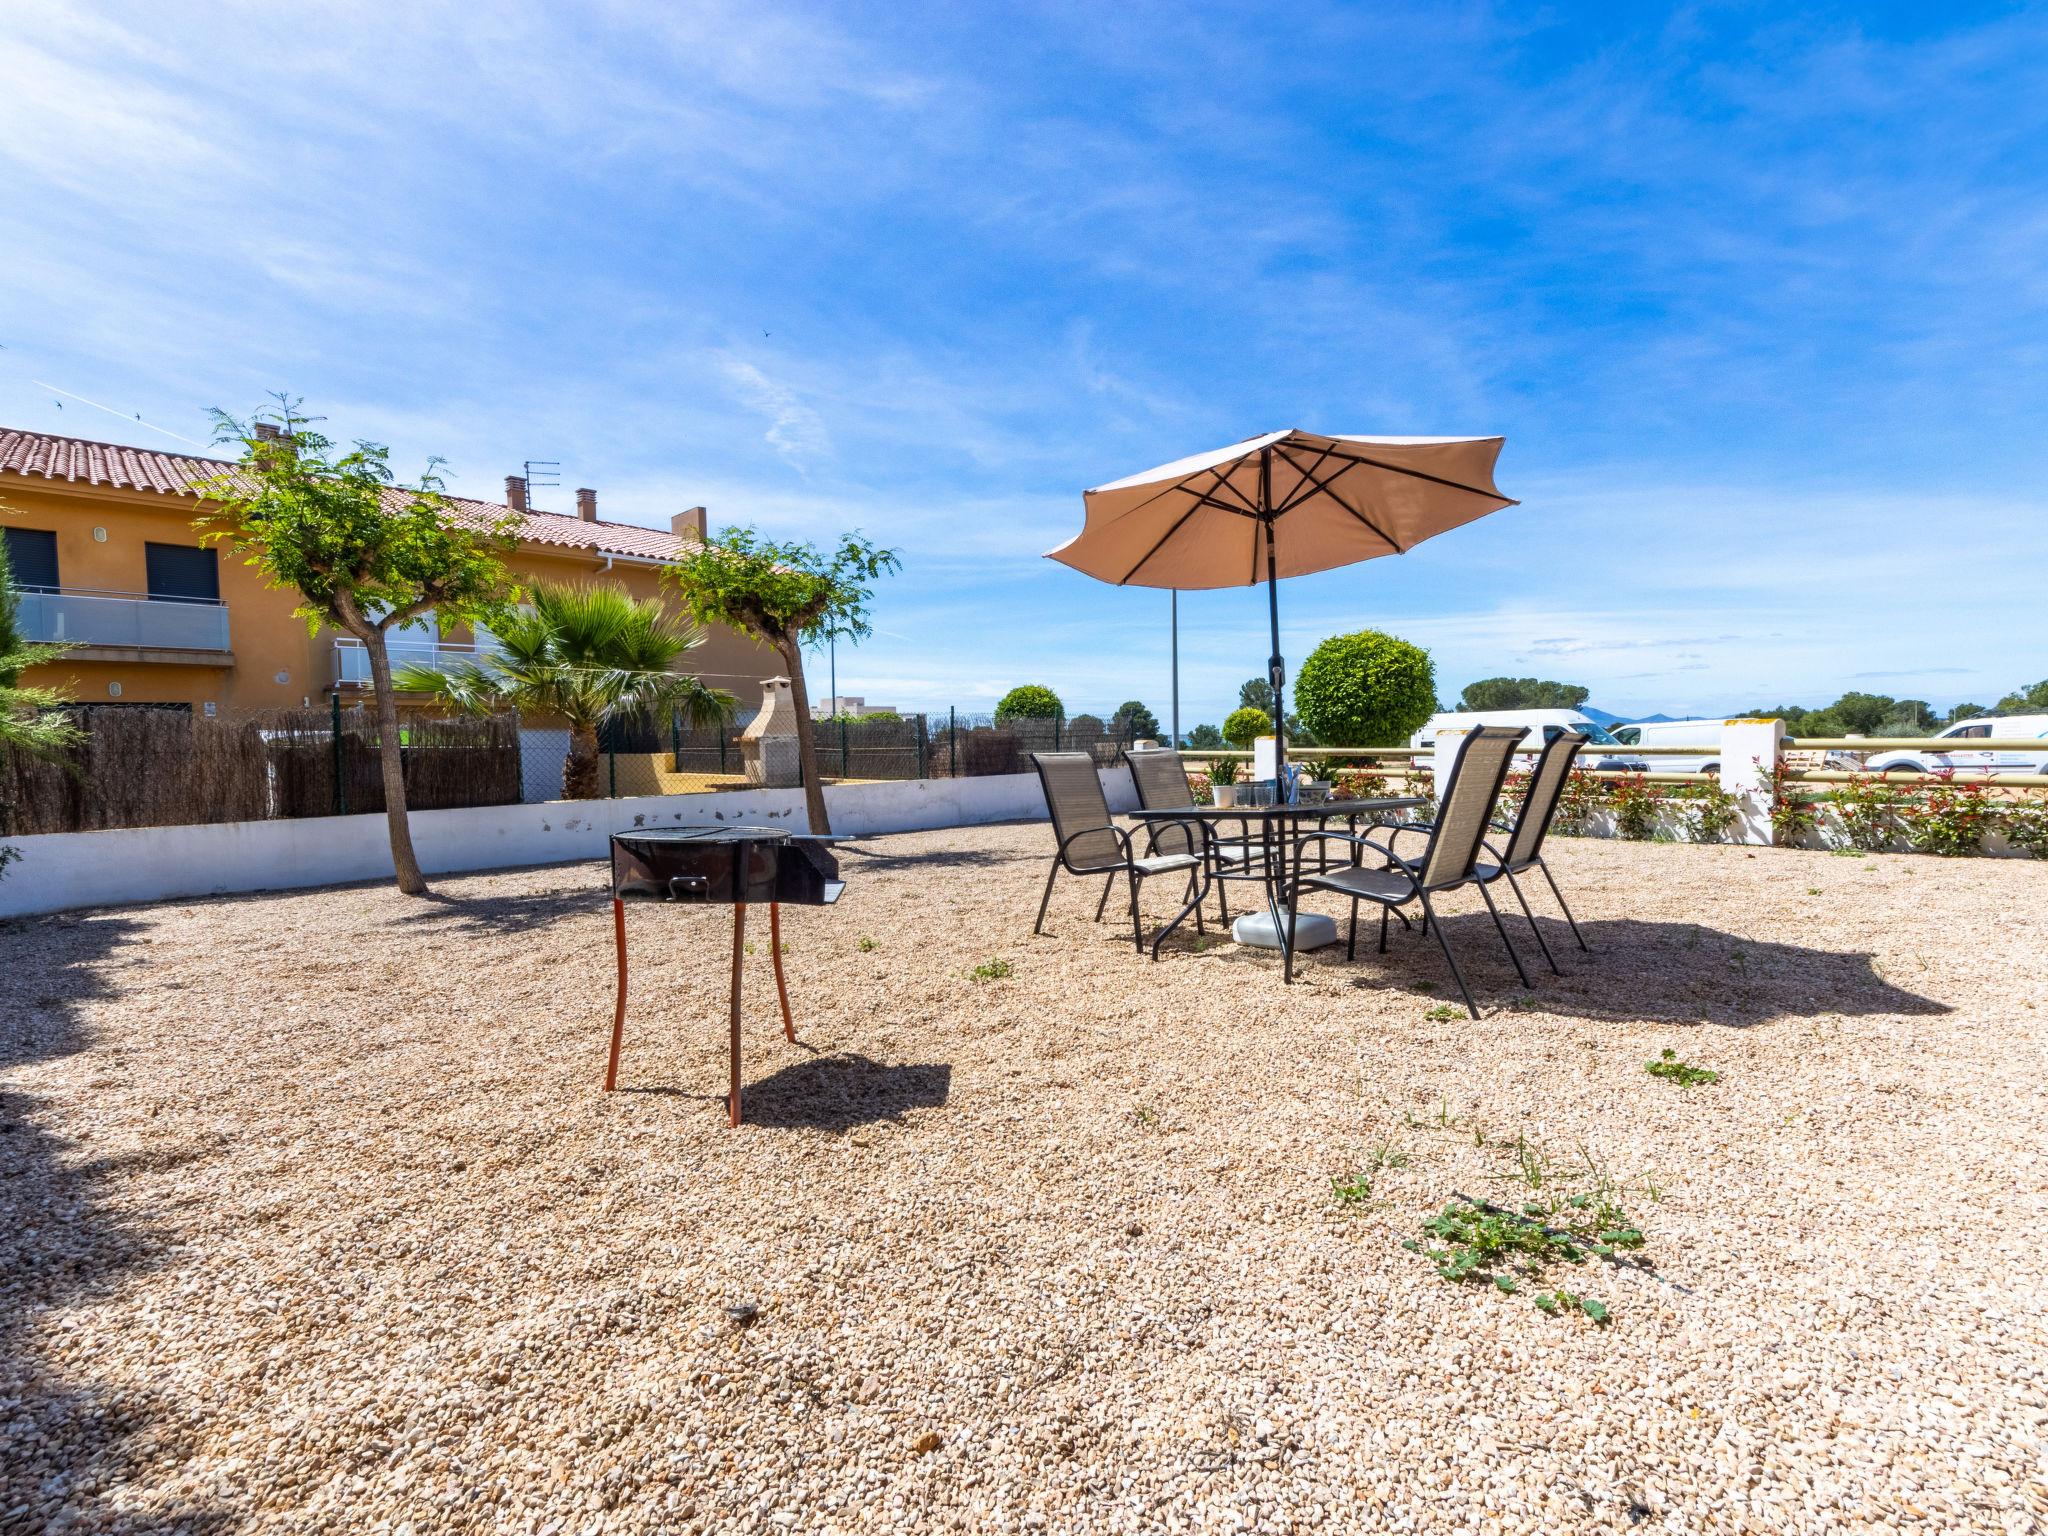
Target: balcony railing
x,y
124,618
352,662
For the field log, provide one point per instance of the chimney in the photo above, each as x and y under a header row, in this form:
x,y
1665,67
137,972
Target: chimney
x,y
693,524
586,504
269,432
515,492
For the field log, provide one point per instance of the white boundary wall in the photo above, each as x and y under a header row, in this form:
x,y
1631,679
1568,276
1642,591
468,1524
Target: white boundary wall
x,y
63,870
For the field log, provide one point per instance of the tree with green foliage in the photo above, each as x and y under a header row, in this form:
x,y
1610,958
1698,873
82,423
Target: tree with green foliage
x,y
1133,721
590,655
1029,701
785,595
1246,725
1206,736
1366,690
1967,712
1257,694
367,554
2031,700
1491,693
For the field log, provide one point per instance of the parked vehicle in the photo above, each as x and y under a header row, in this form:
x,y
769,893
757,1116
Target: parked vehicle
x,y
1705,734
2033,759
1601,751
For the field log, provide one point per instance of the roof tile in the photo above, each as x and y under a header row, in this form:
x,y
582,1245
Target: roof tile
x,y
44,455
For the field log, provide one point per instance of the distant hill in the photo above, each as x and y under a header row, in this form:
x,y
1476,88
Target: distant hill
x,y
1604,717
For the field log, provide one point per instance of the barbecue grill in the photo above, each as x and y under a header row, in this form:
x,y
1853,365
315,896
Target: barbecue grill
x,y
720,866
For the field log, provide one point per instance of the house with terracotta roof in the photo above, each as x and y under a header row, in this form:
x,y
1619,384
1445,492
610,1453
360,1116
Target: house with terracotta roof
x,y
101,541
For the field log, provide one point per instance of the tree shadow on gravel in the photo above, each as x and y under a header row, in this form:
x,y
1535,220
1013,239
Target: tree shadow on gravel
x,y
1639,972
937,858
525,912
836,1093
65,1445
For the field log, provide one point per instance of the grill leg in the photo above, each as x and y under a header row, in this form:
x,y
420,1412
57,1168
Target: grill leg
x,y
611,1071
775,947
739,940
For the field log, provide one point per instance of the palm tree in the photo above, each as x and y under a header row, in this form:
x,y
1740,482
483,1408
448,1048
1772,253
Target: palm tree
x,y
587,654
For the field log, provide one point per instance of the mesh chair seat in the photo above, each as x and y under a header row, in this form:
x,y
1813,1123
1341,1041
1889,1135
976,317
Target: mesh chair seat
x,y
1372,884
1166,863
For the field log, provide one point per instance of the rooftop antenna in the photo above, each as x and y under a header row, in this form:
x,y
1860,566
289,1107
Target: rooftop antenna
x,y
540,472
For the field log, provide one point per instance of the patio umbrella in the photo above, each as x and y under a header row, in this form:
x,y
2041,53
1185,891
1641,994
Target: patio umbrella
x,y
1281,504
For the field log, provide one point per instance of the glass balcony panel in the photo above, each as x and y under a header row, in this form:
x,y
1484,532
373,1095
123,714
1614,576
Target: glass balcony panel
x,y
78,618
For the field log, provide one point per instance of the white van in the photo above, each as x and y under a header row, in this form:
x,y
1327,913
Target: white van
x,y
1704,734
1544,726
1976,760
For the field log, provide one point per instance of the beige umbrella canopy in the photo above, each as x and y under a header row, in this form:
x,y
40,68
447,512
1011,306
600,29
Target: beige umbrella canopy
x,y
1281,504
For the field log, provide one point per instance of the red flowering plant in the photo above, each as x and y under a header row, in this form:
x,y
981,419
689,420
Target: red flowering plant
x,y
1792,819
1576,802
1201,787
2026,826
1952,817
1870,809
1358,783
1635,806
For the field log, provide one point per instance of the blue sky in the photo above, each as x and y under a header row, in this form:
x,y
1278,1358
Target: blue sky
x,y
1758,297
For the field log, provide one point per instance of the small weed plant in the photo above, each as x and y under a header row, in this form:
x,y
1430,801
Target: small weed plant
x,y
867,946
1354,1191
1667,1065
1444,1011
1564,1219
991,969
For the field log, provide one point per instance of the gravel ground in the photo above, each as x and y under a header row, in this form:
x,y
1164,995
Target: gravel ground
x,y
315,1219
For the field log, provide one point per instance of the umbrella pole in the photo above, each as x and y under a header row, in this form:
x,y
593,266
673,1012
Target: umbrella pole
x,y
1276,669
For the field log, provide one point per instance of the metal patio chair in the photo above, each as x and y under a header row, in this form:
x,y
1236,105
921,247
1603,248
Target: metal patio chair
x,y
1525,834
1091,843
1161,779
1450,859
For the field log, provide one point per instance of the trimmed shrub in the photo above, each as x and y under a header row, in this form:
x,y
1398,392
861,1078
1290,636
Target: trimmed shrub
x,y
1244,726
1366,690
1029,701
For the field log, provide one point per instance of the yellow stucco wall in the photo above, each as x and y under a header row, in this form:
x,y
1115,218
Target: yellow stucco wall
x,y
276,664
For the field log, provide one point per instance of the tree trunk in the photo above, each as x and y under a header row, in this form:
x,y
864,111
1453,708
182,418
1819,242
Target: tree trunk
x,y
579,768
806,738
403,861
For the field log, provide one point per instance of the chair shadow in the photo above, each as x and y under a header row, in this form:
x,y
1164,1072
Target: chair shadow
x,y
838,1092
1637,971
63,1244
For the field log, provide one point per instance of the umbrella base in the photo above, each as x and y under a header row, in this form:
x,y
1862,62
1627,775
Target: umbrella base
x,y
1310,930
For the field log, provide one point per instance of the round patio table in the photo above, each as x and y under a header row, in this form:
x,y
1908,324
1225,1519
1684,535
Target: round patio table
x,y
1277,830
